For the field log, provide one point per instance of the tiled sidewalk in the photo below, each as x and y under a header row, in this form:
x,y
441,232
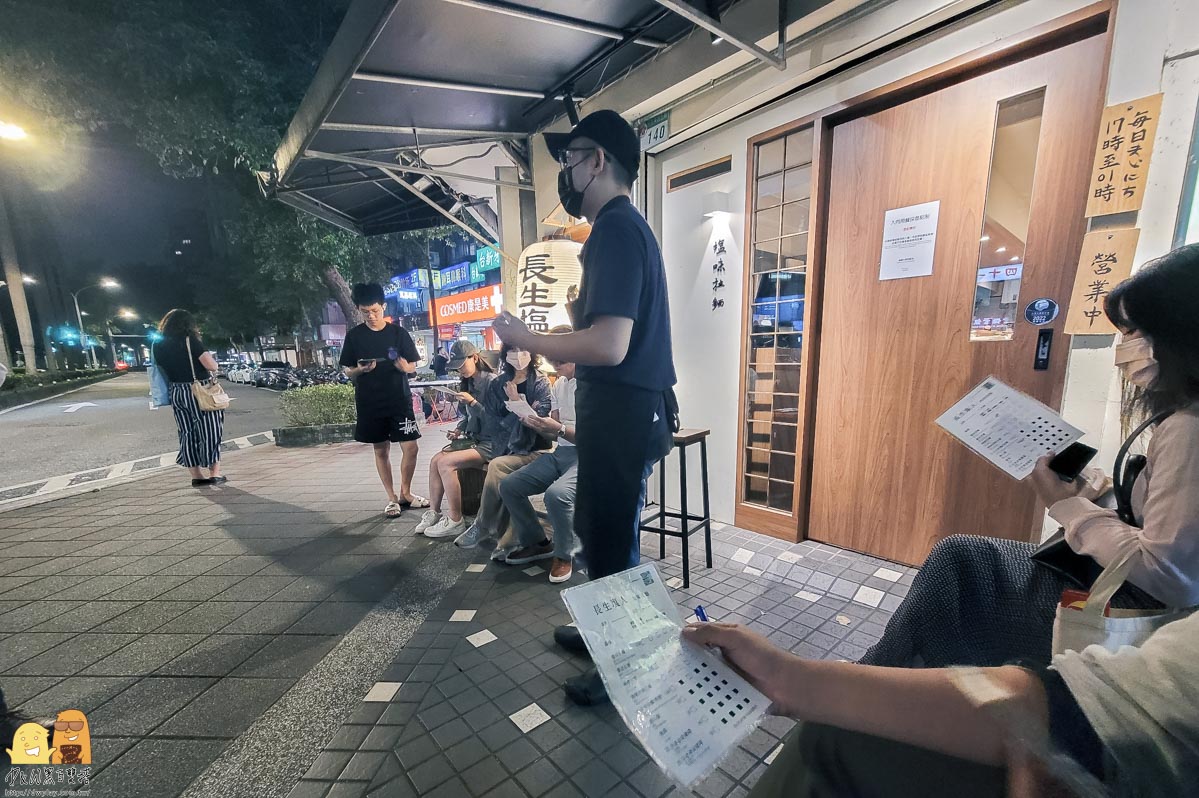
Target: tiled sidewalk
x,y
222,641
473,704
176,617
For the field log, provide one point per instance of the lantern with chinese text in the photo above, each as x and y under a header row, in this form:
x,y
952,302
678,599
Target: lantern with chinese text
x,y
549,276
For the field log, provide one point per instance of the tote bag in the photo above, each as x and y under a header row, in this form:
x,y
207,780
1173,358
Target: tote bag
x,y
1076,628
160,392
209,395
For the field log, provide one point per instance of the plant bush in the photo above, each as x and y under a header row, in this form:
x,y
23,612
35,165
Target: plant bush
x,y
318,404
19,379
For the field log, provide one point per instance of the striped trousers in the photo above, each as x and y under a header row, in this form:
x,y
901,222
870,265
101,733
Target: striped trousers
x,y
199,430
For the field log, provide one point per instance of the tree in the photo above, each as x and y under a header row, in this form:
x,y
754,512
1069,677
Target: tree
x,y
207,89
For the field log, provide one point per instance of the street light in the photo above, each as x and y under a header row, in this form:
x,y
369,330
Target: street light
x,y
106,282
25,278
12,132
126,313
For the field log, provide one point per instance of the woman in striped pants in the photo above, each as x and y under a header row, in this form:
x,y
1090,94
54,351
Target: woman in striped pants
x,y
199,430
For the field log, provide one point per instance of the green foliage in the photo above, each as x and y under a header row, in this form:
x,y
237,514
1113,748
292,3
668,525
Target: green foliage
x,y
318,404
18,380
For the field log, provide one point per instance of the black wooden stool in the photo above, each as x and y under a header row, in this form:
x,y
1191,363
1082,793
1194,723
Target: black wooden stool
x,y
656,523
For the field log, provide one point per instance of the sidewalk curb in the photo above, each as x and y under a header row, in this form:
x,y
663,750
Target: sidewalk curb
x,y
122,477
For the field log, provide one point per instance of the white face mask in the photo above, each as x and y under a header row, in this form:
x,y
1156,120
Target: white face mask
x,y
519,360
1134,358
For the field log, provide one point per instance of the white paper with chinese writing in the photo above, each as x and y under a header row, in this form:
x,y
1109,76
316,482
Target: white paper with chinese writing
x,y
1008,428
686,706
520,407
909,239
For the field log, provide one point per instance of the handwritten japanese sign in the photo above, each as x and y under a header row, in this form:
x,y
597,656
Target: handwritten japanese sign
x,y
1122,155
719,269
1105,261
549,277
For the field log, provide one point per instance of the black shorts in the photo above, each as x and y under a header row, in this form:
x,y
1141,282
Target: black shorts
x,y
399,428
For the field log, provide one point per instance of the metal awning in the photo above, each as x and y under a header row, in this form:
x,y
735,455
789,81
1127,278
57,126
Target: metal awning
x,y
417,101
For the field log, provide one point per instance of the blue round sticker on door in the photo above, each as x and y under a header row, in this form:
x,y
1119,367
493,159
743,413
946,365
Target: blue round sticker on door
x,y
1041,311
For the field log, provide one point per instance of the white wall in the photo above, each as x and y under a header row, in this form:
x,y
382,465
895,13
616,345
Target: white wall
x,y
1151,38
708,344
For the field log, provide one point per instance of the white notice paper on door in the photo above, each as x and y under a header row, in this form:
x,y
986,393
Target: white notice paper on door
x,y
683,702
909,238
1010,429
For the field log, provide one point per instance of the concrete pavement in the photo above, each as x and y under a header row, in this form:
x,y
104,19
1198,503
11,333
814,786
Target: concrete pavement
x,y
277,636
45,440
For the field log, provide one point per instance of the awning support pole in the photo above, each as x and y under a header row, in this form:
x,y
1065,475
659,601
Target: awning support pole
x,y
420,170
707,23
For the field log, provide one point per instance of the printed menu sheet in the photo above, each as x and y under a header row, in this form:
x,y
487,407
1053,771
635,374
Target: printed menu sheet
x,y
1009,428
686,706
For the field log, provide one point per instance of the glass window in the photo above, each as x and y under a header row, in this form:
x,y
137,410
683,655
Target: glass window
x,y
1187,229
781,218
1002,244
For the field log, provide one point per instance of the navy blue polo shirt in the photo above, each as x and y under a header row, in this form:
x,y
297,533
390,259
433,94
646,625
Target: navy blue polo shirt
x,y
623,275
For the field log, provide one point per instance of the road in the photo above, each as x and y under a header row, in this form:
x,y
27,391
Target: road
x,y
45,440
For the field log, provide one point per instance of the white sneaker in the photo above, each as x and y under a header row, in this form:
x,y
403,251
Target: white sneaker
x,y
427,520
471,537
446,528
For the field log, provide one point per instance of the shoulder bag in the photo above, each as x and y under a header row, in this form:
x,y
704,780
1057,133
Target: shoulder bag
x,y
209,394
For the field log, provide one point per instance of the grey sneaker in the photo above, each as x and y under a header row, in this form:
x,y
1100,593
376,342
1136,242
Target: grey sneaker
x,y
471,537
501,554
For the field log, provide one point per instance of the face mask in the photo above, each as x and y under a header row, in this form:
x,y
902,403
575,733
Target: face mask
x,y
519,360
1134,358
571,198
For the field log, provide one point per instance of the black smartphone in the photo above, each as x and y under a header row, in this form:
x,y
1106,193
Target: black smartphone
x,y
1069,462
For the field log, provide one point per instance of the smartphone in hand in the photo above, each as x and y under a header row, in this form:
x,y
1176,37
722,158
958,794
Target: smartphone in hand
x,y
1069,462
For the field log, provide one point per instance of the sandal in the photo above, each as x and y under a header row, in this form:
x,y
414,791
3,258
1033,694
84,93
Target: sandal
x,y
419,502
393,509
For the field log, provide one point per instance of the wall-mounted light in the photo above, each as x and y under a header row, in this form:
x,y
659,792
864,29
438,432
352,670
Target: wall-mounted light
x,y
715,203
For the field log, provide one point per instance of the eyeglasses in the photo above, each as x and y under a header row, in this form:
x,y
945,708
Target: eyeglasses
x,y
63,725
564,155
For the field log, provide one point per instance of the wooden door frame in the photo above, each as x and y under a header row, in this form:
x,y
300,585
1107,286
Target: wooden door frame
x,y
1097,19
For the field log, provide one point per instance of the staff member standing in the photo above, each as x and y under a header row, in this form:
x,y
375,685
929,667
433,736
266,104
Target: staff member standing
x,y
621,345
378,356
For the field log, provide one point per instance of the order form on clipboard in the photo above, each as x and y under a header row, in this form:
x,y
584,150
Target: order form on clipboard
x,y
1009,429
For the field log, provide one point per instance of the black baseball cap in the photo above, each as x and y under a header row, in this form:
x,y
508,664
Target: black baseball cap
x,y
607,129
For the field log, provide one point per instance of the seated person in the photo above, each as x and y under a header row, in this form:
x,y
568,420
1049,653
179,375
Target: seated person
x,y
472,441
982,601
1091,724
502,444
521,379
554,475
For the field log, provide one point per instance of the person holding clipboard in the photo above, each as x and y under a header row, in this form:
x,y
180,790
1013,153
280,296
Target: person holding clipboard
x,y
625,405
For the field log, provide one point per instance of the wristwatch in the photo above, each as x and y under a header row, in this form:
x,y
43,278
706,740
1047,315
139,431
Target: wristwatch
x,y
561,432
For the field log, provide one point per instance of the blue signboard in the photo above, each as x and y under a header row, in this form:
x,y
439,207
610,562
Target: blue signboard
x,y
455,276
412,281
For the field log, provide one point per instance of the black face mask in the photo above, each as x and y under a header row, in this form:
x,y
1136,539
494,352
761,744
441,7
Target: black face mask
x,y
571,198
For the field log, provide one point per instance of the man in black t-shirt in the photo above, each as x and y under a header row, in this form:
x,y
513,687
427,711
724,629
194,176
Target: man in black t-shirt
x,y
378,356
624,403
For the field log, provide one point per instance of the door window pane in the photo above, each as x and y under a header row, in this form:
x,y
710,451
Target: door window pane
x,y
1004,238
770,191
794,252
766,256
766,224
795,218
797,184
770,157
799,148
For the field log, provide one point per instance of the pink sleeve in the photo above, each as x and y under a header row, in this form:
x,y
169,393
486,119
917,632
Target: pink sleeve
x,y
1166,563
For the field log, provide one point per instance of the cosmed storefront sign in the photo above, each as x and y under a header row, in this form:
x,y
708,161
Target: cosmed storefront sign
x,y
479,305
